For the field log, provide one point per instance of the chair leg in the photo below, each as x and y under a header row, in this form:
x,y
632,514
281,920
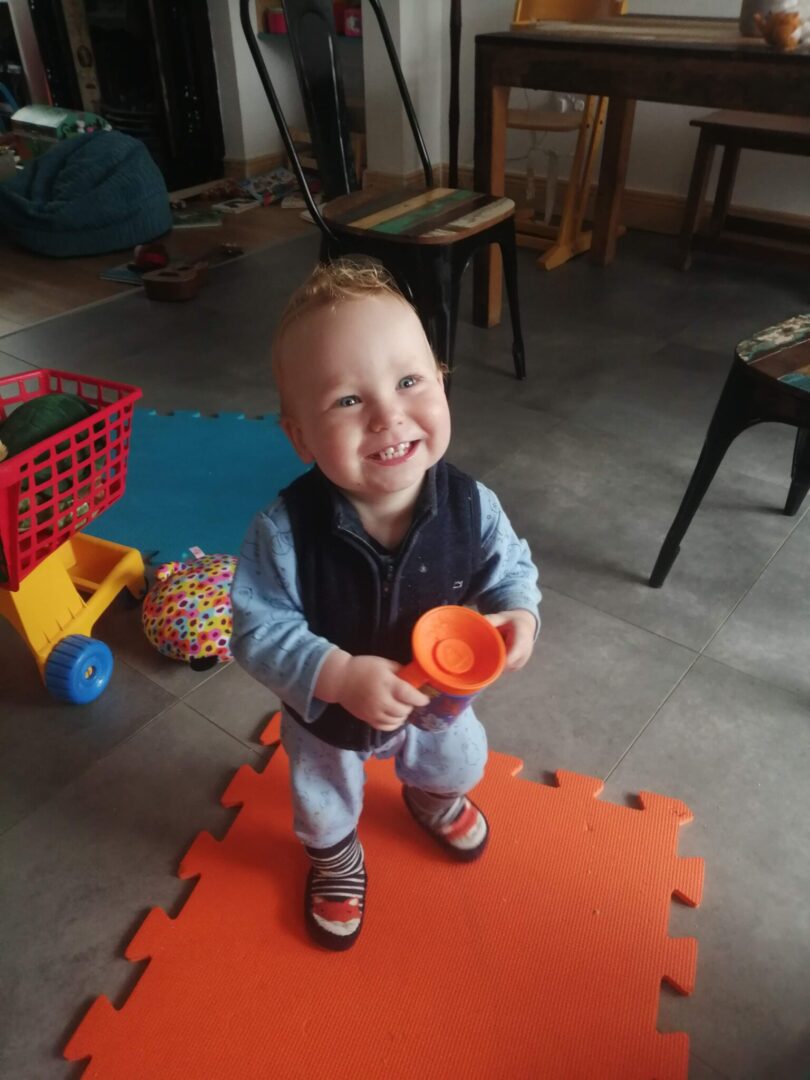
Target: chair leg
x,y
731,416
694,200
433,299
799,473
508,246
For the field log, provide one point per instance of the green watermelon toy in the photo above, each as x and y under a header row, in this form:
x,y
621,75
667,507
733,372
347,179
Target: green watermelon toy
x,y
38,419
30,423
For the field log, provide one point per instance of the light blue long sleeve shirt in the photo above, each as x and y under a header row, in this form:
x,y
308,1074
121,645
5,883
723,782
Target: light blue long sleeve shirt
x,y
271,638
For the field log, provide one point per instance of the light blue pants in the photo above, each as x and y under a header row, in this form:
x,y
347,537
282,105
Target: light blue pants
x,y
327,783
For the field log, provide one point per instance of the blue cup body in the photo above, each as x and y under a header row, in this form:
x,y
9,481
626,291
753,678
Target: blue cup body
x,y
442,711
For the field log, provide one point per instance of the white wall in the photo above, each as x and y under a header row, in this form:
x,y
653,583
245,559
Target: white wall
x,y
387,148
663,143
248,125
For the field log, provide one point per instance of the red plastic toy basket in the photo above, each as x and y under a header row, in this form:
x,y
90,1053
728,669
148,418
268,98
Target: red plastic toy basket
x,y
48,492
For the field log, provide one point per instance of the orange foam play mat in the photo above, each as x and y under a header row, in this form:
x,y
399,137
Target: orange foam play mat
x,y
543,959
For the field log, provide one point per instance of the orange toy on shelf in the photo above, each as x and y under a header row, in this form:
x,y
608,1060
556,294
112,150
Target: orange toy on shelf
x,y
456,653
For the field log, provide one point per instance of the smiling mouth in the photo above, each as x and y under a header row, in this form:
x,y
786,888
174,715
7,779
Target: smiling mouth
x,y
394,454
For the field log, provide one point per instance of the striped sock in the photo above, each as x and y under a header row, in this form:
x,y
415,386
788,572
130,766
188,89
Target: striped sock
x,y
454,820
336,893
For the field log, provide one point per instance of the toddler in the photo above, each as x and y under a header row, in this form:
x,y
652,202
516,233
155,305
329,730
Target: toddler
x,y
334,574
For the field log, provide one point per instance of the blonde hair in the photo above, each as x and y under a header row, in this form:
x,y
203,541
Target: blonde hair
x,y
330,285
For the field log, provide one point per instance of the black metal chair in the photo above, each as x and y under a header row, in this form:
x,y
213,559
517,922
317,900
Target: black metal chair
x,y
769,381
424,238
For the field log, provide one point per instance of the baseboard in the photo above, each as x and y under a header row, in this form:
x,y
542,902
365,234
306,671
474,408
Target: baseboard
x,y
240,168
382,181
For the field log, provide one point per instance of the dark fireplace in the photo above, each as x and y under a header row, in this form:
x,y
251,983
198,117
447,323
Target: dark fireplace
x,y
155,76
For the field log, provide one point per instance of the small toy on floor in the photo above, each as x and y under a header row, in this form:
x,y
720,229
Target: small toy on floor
x,y
148,257
187,612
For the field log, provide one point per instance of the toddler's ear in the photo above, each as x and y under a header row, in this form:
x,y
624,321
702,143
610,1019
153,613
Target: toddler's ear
x,y
296,437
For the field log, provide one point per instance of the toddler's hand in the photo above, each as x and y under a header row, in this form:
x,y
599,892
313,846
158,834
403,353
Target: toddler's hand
x,y
371,691
517,630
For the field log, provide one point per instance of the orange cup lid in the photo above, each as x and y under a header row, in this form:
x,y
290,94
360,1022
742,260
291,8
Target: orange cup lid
x,y
459,650
453,655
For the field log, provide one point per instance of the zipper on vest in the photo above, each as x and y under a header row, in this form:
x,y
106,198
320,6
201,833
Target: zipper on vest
x,y
386,582
388,578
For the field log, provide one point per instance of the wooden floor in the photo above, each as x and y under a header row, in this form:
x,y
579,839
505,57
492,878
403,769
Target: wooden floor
x,y
33,287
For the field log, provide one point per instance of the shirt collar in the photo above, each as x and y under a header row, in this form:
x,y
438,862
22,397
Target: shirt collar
x,y
346,518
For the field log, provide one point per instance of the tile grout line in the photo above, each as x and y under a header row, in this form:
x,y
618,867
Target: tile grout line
x,y
720,1074
754,583
230,734
85,772
702,654
644,727
134,734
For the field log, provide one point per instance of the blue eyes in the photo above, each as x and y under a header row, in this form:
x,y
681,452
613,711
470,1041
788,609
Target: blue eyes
x,y
405,383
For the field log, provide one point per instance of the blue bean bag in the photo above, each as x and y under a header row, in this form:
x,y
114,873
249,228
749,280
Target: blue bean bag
x,y
85,196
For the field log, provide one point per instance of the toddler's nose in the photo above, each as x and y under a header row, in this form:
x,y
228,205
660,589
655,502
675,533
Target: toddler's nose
x,y
384,415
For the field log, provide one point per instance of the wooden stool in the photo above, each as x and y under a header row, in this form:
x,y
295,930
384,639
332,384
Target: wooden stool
x,y
736,131
769,381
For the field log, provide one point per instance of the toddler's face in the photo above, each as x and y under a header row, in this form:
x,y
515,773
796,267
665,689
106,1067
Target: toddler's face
x,y
363,397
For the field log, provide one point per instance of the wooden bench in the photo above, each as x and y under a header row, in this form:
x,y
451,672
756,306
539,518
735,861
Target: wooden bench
x,y
737,131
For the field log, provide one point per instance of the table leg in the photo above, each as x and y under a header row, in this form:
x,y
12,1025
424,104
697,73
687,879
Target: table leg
x,y
615,155
490,168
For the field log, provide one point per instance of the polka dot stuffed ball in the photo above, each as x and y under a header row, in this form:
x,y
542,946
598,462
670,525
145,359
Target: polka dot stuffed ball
x,y
187,612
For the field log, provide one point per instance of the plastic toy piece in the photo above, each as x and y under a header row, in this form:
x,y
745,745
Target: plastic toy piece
x,y
175,282
78,669
148,257
55,582
545,958
57,605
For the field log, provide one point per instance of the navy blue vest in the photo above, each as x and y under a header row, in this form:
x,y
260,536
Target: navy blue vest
x,y
365,599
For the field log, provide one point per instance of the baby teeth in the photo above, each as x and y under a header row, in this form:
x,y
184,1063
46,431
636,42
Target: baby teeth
x,y
394,451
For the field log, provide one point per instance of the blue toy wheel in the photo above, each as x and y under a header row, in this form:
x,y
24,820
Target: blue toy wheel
x,y
78,669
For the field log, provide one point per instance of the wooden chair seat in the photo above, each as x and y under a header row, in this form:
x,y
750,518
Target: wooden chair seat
x,y
769,381
437,216
781,353
741,234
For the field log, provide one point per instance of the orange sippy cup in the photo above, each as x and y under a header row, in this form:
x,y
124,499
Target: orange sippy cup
x,y
456,653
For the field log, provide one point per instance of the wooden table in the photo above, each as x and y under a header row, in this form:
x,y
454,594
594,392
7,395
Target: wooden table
x,y
680,61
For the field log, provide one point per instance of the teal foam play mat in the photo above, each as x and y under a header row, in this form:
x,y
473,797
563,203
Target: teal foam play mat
x,y
196,481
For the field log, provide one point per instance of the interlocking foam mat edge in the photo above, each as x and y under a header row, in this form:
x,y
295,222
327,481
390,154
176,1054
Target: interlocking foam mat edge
x,y
543,959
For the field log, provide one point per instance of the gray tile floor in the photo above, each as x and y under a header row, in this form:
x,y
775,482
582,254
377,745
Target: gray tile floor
x,y
700,690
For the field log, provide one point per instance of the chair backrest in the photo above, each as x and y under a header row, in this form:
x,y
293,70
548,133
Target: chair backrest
x,y
311,34
527,11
